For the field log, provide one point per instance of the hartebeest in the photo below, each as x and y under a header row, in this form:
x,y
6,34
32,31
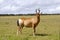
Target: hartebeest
x,y
29,22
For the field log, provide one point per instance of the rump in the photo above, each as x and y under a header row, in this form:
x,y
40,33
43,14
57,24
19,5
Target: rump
x,y
17,22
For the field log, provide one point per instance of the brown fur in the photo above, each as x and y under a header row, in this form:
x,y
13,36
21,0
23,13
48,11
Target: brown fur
x,y
30,22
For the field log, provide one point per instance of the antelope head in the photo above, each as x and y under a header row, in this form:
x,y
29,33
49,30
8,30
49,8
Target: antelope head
x,y
38,12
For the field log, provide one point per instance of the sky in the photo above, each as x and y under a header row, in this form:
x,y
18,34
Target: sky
x,y
29,6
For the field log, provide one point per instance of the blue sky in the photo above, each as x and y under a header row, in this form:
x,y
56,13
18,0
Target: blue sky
x,y
29,6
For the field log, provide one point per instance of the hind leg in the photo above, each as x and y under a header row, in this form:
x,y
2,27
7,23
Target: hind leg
x,y
19,30
21,27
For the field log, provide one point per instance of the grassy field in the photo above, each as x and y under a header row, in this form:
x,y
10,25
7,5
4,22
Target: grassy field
x,y
48,28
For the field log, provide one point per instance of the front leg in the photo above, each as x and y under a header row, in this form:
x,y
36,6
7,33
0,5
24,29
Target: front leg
x,y
34,29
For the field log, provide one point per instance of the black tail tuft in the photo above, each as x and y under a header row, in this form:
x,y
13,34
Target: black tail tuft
x,y
17,22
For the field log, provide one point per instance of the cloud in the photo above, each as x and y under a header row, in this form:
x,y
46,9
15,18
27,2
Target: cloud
x,y
58,8
29,6
1,1
9,7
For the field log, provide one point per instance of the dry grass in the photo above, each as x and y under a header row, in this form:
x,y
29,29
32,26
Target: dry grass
x,y
48,28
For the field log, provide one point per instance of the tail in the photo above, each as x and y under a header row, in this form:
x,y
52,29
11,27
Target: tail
x,y
17,22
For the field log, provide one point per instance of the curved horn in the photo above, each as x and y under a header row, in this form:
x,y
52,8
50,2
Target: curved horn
x,y
39,10
36,10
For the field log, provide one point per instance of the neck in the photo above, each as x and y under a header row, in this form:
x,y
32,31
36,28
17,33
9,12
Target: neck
x,y
38,17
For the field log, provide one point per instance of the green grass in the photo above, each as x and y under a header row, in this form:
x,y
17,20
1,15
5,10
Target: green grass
x,y
48,28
